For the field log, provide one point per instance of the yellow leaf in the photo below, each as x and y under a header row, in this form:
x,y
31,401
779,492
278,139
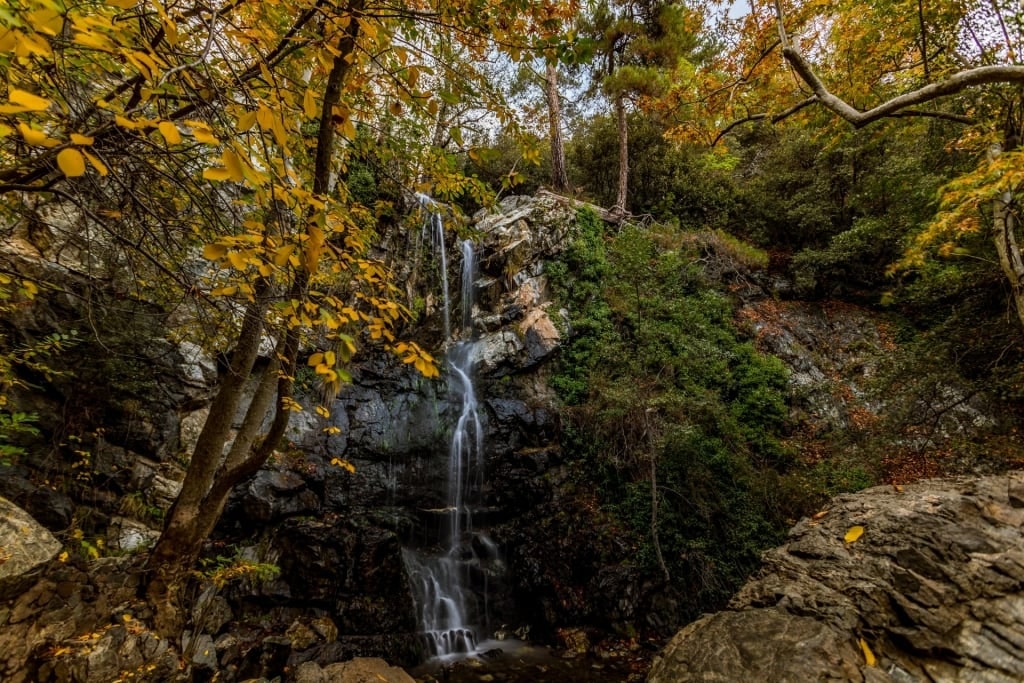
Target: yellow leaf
x,y
853,534
323,412
233,164
237,260
212,252
32,45
81,139
265,118
170,132
71,162
369,29
246,121
202,133
217,173
869,656
63,557
126,617
125,123
344,464
36,137
123,4
28,100
96,163
309,104
282,253
315,359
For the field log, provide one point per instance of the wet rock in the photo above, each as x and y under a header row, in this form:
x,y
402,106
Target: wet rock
x,y
26,548
301,636
273,495
211,612
353,572
325,628
52,509
128,535
574,641
197,366
934,587
541,337
203,651
365,670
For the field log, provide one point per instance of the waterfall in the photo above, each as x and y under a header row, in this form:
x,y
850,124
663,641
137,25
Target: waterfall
x,y
448,608
468,277
433,229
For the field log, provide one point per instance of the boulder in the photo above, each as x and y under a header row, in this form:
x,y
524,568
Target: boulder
x,y
365,670
932,589
25,548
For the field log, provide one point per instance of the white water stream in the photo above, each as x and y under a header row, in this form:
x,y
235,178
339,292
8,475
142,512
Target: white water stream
x,y
449,612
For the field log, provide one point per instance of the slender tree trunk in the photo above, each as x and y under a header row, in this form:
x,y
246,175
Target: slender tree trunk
x,y
212,474
1005,237
654,518
623,188
1004,230
559,179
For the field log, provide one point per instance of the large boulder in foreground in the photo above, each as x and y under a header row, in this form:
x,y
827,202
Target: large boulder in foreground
x,y
25,548
932,590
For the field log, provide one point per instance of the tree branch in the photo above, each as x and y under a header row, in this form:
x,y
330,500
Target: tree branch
x,y
774,118
982,75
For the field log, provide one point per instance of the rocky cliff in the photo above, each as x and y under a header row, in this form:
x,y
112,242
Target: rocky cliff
x,y
904,584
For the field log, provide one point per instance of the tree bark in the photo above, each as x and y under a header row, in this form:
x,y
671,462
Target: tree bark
x,y
559,178
623,186
1004,234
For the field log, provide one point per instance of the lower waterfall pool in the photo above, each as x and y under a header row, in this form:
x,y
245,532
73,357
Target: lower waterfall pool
x,y
513,661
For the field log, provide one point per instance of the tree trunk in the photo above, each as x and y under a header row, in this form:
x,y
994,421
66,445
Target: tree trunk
x,y
620,118
178,546
654,518
1005,237
212,474
559,179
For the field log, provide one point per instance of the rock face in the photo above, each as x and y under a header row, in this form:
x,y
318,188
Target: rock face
x,y
25,548
933,589
834,351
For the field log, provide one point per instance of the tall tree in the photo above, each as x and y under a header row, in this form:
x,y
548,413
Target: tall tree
x,y
559,177
636,43
219,126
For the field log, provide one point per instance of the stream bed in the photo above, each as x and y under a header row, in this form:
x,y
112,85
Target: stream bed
x,y
512,661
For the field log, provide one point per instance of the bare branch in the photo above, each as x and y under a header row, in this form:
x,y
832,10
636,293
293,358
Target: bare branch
x,y
774,118
982,75
897,106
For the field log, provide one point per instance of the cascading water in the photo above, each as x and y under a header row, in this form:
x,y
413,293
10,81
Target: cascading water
x,y
433,229
448,608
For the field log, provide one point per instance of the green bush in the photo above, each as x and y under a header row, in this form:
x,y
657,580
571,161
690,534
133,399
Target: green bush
x,y
655,374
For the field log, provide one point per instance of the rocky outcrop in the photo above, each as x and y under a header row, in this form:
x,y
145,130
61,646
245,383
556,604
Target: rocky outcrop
x,y
835,353
25,548
358,670
932,589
